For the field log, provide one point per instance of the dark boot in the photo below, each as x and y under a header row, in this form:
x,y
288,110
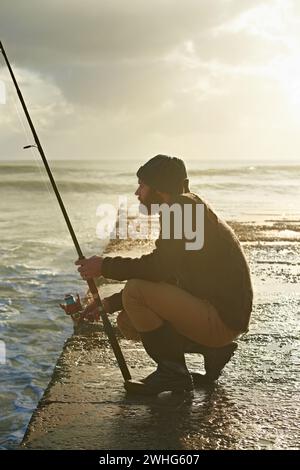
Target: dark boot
x,y
165,346
215,360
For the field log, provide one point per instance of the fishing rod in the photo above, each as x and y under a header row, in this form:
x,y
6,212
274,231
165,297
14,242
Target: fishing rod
x,y
91,283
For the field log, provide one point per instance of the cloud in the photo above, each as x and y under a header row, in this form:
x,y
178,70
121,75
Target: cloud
x,y
2,92
107,29
125,78
45,102
268,21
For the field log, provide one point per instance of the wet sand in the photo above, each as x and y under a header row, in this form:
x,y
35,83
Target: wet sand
x,y
254,405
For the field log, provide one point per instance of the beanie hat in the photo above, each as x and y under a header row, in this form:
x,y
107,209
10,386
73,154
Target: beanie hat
x,y
164,173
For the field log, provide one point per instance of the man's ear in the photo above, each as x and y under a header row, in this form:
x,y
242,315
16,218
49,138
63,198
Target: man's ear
x,y
186,188
162,196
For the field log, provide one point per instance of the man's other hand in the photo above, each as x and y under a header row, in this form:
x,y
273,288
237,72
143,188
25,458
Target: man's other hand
x,y
93,308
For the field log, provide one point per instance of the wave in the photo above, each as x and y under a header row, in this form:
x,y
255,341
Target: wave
x,y
15,168
246,170
114,169
122,187
97,178
67,186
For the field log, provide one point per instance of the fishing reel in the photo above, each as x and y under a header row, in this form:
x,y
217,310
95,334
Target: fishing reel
x,y
77,312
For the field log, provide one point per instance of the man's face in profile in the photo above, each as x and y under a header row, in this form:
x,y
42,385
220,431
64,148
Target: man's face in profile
x,y
147,196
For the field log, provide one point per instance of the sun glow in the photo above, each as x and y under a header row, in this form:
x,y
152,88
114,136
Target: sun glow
x,y
287,72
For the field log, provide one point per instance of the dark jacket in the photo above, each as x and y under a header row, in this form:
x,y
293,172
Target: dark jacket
x,y
217,272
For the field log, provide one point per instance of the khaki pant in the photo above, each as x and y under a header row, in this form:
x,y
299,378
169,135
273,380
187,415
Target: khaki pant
x,y
148,304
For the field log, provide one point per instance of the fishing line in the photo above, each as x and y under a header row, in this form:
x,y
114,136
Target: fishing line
x,y
10,96
33,154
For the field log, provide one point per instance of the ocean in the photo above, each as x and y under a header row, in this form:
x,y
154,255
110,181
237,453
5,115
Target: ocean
x,y
37,255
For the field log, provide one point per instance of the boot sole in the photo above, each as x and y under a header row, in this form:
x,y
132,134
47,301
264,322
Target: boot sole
x,y
135,386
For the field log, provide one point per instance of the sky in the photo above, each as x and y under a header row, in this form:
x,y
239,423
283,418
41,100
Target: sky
x,y
125,79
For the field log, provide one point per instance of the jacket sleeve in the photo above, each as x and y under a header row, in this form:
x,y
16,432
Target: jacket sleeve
x,y
163,264
159,265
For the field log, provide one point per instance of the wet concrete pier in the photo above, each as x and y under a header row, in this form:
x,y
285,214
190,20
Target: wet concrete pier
x,y
254,405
